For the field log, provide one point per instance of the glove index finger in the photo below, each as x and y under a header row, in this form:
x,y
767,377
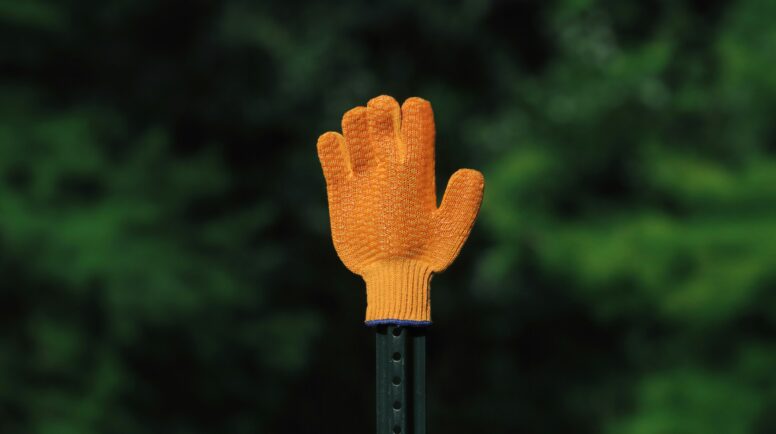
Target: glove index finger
x,y
417,130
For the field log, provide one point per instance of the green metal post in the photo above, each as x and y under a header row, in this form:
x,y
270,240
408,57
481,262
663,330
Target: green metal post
x,y
401,380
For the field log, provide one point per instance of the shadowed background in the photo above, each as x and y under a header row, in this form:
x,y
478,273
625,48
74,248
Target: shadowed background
x,y
165,258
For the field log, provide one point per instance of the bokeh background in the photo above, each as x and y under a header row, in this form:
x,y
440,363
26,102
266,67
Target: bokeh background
x,y
165,258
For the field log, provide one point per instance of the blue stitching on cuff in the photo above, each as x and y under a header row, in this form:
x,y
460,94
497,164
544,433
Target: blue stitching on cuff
x,y
398,322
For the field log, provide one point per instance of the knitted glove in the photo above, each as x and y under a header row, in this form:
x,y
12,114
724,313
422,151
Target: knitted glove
x,y
385,222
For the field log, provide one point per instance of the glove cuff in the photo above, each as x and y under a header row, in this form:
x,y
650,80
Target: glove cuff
x,y
397,292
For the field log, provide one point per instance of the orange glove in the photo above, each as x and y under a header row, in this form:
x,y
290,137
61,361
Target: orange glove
x,y
385,222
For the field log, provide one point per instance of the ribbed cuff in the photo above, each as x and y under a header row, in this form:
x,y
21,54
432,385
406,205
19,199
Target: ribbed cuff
x,y
397,292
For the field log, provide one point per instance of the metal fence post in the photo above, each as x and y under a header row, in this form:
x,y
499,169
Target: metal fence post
x,y
401,380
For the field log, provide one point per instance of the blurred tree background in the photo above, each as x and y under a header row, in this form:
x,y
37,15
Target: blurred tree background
x,y
165,258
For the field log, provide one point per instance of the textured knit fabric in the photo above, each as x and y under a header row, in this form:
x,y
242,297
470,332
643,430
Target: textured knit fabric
x,y
385,222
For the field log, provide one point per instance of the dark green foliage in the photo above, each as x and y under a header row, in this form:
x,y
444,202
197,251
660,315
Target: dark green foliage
x,y
165,260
